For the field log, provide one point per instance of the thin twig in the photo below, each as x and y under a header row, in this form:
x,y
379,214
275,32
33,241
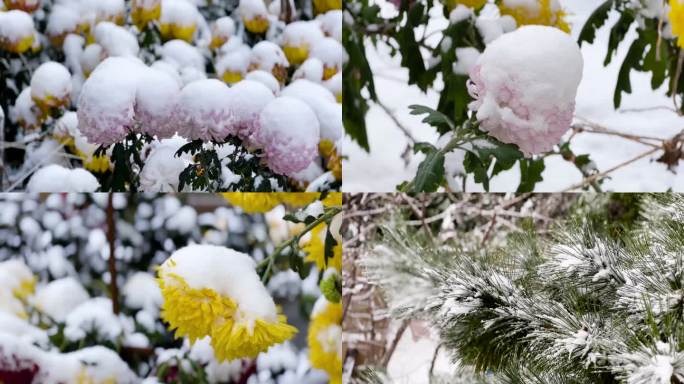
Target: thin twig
x,y
111,236
395,342
398,123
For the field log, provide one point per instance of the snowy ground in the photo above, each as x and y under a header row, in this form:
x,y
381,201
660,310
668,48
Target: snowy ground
x,y
383,168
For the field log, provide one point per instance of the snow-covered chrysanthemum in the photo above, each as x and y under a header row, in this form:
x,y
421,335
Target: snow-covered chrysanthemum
x,y
331,24
254,15
332,54
16,31
17,278
204,112
55,178
248,99
115,40
162,167
323,103
106,104
524,85
233,65
178,19
265,78
325,338
50,86
269,57
298,38
215,291
145,11
60,297
222,29
288,133
323,6
62,20
25,112
535,12
156,103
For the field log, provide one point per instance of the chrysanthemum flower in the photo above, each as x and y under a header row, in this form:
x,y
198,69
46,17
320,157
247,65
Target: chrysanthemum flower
x,y
325,338
144,12
269,57
178,20
50,86
17,33
258,202
26,113
23,5
215,291
288,133
156,103
539,12
232,66
522,97
676,17
323,6
18,278
204,112
332,54
254,15
298,38
248,99
221,31
328,150
63,20
315,249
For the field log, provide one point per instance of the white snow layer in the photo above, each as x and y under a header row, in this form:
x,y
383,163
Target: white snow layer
x,y
55,178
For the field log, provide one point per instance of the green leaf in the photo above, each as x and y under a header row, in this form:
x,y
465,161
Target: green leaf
x,y
632,61
411,56
530,174
434,118
595,21
423,147
617,34
473,164
430,173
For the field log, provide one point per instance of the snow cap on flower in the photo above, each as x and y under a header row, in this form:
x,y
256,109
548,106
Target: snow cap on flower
x,y
451,4
215,291
17,32
222,29
25,111
115,40
269,57
50,86
323,103
311,69
106,104
254,15
247,99
288,133
265,78
204,112
181,54
55,178
331,24
325,338
91,57
298,38
156,103
524,85
178,19
62,20
60,297
332,54
17,278
334,85
233,65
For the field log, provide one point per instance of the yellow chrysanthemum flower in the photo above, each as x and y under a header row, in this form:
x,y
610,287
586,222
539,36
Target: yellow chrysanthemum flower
x,y
676,17
215,291
260,202
296,54
256,25
544,12
451,4
231,77
323,6
145,11
176,31
325,339
334,161
17,283
315,249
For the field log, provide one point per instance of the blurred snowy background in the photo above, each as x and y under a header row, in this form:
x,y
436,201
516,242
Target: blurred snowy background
x,y
67,330
641,113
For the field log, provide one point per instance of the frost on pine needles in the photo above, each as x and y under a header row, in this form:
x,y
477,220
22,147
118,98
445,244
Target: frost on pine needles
x,y
215,291
524,85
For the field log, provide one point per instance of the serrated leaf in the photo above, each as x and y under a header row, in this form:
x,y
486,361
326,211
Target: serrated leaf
x,y
433,118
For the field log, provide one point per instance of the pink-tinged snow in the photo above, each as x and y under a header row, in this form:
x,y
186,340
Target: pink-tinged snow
x,y
383,168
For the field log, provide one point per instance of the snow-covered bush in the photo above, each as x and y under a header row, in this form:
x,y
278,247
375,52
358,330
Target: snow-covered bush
x,y
591,296
133,73
199,288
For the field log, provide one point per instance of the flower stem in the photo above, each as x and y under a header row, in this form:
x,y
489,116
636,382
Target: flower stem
x,y
270,260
